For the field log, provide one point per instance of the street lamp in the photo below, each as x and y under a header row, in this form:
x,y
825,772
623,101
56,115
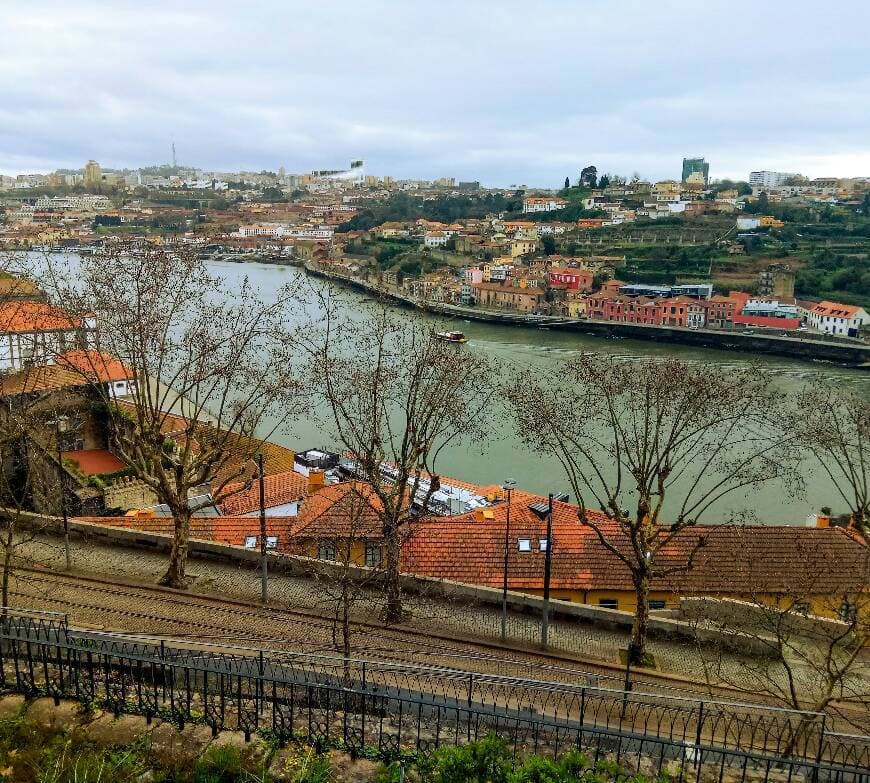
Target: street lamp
x,y
264,577
61,424
548,568
508,486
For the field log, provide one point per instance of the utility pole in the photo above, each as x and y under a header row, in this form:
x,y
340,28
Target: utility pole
x,y
508,486
264,576
548,565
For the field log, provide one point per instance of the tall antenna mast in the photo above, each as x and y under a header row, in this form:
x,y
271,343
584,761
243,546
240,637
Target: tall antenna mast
x,y
174,161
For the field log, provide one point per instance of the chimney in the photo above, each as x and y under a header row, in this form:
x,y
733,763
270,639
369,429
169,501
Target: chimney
x,y
316,480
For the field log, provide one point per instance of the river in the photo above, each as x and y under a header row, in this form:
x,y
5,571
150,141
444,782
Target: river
x,y
504,456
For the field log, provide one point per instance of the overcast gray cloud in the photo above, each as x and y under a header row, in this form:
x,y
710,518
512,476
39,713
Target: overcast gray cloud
x,y
505,92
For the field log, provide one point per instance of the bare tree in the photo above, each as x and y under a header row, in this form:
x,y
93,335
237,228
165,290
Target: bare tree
x,y
396,395
653,444
353,546
835,426
213,368
808,621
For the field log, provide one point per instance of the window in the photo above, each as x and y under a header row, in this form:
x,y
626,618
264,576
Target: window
x,y
656,604
848,611
524,544
542,544
326,550
608,603
271,542
373,555
250,542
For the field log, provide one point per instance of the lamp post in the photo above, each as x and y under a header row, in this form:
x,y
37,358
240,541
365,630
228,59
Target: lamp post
x,y
60,426
264,575
548,567
508,486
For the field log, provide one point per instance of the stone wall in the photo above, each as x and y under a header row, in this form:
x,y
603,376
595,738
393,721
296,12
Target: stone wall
x,y
126,492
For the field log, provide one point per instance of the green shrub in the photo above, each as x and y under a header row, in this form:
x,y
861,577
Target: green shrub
x,y
487,761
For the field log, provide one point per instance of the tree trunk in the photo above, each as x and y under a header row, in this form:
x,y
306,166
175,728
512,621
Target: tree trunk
x,y
393,612
345,629
175,573
641,620
7,564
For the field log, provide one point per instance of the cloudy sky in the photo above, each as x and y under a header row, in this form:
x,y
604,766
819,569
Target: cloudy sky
x,y
501,91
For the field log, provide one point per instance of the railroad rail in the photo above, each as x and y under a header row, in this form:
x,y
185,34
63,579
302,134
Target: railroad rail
x,y
159,611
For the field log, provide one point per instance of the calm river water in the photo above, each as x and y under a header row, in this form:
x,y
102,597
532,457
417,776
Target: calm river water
x,y
504,456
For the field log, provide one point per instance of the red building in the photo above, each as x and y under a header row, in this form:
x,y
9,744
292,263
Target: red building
x,y
571,278
721,310
677,311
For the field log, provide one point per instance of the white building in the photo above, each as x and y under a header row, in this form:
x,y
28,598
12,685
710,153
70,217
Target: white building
x,y
83,203
37,333
769,179
543,204
262,230
435,238
837,318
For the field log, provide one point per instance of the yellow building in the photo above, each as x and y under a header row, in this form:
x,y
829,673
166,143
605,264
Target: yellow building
x,y
522,246
93,174
768,221
341,523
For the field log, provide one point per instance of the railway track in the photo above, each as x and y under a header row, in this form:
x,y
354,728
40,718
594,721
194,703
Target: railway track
x,y
138,609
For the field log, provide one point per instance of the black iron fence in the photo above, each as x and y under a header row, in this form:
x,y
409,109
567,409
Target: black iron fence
x,y
395,709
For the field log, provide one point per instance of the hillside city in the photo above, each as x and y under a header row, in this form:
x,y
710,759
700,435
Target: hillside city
x,y
777,251
458,393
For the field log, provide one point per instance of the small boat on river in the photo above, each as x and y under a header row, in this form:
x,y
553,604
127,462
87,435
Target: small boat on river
x,y
452,337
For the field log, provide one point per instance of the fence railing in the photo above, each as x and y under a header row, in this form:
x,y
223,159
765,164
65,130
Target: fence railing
x,y
395,709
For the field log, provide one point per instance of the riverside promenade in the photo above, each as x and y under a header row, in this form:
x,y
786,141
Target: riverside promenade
x,y
820,348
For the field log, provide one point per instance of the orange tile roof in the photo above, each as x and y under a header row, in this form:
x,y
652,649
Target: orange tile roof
x,y
276,458
279,489
31,316
16,287
346,510
95,366
835,309
93,462
768,559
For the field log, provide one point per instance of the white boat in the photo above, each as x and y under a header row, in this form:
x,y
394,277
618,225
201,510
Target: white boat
x,y
452,337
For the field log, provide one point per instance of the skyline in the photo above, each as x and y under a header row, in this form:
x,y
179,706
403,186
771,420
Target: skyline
x,y
527,96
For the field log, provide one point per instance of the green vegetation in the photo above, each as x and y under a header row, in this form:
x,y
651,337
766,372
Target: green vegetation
x,y
445,209
490,761
33,754
835,276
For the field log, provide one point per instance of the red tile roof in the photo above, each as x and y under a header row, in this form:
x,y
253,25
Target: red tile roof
x,y
279,489
36,379
31,316
95,366
835,309
93,462
346,510
766,559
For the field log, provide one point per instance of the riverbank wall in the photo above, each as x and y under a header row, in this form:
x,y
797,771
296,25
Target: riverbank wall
x,y
847,353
